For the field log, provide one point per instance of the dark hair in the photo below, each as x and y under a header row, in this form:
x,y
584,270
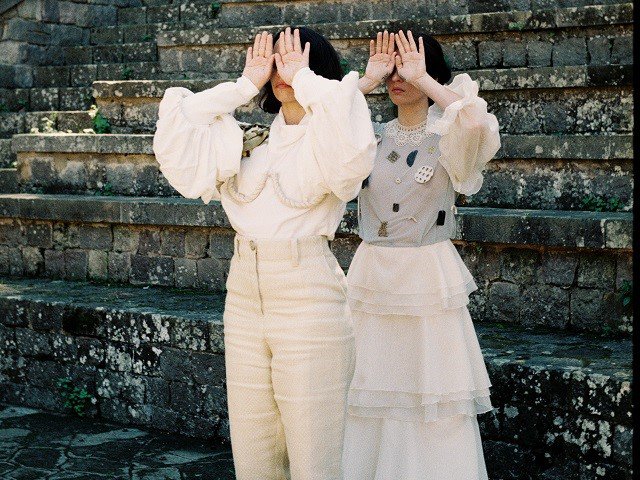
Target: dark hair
x,y
437,65
323,60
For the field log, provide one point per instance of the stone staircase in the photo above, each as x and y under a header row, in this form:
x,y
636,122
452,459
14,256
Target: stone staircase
x,y
113,280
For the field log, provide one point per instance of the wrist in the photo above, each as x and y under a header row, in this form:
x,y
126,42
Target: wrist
x,y
421,80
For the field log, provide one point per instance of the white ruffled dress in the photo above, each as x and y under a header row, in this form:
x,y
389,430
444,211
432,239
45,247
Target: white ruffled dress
x,y
420,377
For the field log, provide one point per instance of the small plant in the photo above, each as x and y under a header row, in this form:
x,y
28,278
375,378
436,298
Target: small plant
x,y
517,25
23,104
599,204
126,73
344,63
75,398
106,189
625,294
100,123
3,107
148,37
215,9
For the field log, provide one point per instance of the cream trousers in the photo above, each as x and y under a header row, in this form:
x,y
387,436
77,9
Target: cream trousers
x,y
289,356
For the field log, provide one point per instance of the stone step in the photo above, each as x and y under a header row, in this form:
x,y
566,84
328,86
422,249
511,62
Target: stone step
x,y
46,121
542,100
278,12
154,357
573,172
17,102
7,157
8,180
145,51
597,35
50,89
85,75
565,270
134,32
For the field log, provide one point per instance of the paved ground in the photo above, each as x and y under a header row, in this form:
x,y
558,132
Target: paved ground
x,y
38,445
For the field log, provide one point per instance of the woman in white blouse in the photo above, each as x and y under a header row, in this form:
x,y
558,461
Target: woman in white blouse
x,y
420,378
289,346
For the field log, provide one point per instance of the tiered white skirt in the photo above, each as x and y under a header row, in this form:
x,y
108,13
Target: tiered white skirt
x,y
420,377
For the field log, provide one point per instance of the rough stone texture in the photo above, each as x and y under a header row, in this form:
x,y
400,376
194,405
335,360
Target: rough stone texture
x,y
147,359
531,268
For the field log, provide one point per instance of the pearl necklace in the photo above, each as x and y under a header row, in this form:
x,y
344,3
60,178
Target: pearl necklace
x,y
402,135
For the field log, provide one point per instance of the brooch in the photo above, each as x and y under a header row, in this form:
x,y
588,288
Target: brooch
x,y
424,174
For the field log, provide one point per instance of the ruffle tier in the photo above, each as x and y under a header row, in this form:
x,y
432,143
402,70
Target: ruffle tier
x,y
417,353
403,281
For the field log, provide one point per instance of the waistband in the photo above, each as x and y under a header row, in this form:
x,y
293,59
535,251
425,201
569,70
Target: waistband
x,y
285,249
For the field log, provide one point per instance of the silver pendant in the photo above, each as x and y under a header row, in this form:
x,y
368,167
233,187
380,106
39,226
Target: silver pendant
x,y
393,156
424,174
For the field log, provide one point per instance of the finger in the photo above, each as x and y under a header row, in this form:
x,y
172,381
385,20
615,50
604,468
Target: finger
x,y
398,63
392,61
404,42
296,41
278,59
281,47
421,46
269,50
401,49
263,44
379,42
385,42
256,44
249,54
305,54
372,48
288,40
412,42
392,43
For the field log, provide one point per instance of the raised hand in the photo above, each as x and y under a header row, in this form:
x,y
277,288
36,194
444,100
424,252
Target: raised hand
x,y
259,63
290,57
381,58
410,62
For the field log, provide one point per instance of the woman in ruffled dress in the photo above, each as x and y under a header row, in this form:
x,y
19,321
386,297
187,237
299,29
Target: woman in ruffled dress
x,y
289,344
420,378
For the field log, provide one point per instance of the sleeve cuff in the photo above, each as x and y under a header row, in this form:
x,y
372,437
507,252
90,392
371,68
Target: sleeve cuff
x,y
304,85
246,88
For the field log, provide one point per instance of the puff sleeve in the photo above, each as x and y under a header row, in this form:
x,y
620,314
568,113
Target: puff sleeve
x,y
197,142
469,135
339,135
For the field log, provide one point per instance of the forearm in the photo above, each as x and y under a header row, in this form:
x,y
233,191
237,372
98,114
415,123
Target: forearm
x,y
437,92
202,107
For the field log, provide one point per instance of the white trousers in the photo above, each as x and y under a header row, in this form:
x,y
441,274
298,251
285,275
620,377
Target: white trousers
x,y
289,356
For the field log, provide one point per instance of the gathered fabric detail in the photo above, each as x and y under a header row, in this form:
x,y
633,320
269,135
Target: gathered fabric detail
x,y
469,135
231,188
418,355
418,407
409,280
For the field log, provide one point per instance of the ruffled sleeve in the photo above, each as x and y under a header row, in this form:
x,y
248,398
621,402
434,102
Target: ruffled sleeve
x,y
340,134
197,142
469,135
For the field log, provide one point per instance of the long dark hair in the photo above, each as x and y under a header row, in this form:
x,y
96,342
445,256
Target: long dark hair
x,y
323,60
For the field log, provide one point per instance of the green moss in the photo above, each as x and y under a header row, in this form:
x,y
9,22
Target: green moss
x,y
75,398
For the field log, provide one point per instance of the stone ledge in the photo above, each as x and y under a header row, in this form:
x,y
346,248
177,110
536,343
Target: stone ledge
x,y
579,147
559,393
558,228
472,23
489,79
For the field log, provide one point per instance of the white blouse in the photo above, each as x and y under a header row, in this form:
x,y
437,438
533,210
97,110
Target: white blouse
x,y
294,184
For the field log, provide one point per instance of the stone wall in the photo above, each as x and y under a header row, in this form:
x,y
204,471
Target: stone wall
x,y
555,270
34,32
153,357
